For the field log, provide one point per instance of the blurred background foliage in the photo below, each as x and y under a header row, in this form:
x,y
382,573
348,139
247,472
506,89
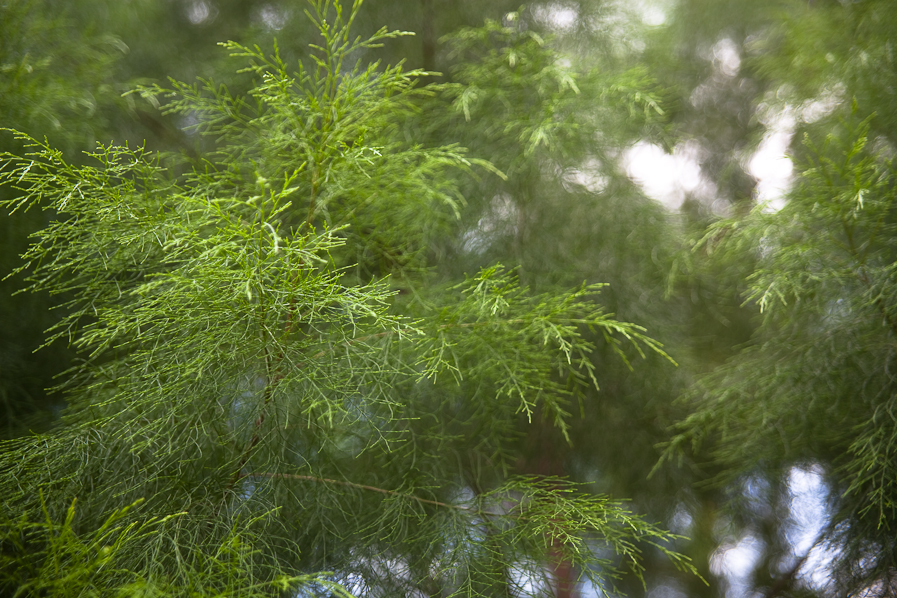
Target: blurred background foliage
x,y
555,95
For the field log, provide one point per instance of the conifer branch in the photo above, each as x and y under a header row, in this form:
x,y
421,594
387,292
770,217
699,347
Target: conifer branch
x,y
308,478
864,277
196,287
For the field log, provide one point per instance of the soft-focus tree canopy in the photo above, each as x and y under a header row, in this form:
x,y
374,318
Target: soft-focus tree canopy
x,y
319,318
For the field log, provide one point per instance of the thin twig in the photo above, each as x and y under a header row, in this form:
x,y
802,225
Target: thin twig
x,y
440,328
308,478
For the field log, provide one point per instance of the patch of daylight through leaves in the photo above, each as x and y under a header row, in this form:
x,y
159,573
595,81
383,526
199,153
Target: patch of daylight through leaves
x,y
736,559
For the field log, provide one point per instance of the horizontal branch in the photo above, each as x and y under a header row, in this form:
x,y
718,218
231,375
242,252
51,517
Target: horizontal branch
x,y
308,478
441,327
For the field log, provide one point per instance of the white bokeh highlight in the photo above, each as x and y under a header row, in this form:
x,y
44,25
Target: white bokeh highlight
x,y
809,515
556,15
770,164
669,178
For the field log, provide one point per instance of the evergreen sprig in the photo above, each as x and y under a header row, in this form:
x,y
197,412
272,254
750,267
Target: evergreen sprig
x,y
255,377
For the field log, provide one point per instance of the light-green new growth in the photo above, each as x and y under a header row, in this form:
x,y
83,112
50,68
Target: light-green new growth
x,y
273,377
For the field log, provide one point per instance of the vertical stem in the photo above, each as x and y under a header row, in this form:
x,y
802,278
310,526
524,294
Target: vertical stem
x,y
247,452
548,461
270,379
314,195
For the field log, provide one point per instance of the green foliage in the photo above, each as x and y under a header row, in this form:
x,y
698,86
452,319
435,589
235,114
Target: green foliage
x,y
46,558
269,365
511,80
814,385
830,52
555,122
550,124
334,132
61,88
56,80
